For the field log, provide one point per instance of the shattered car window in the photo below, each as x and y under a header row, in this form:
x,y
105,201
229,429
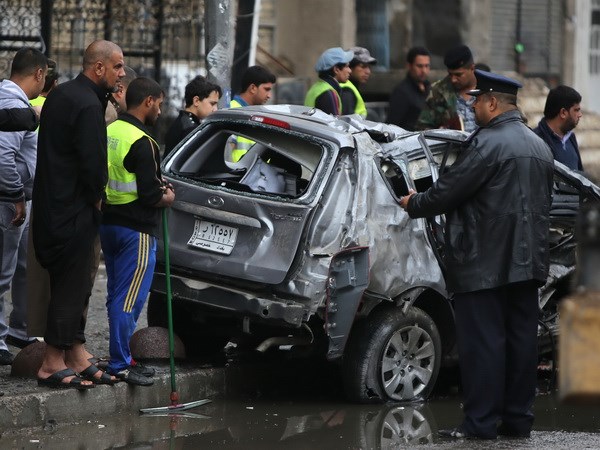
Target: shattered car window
x,y
414,171
275,163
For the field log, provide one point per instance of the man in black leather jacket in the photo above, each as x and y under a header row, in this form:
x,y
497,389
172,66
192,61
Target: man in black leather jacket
x,y
496,198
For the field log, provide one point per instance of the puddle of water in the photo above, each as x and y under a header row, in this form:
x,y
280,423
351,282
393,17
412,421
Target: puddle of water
x,y
266,424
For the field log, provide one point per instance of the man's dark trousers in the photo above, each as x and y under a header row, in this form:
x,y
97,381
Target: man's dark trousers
x,y
497,346
71,284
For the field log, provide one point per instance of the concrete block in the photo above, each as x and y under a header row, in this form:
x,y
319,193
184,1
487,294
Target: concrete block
x,y
28,361
20,411
579,349
67,405
153,343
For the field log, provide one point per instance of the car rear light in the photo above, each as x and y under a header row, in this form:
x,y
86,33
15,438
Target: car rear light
x,y
270,121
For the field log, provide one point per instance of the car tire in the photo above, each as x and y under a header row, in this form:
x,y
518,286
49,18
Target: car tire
x,y
392,356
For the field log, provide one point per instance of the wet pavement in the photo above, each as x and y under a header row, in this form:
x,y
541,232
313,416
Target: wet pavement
x,y
271,402
268,424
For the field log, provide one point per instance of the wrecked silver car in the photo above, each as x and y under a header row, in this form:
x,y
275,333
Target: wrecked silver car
x,y
301,244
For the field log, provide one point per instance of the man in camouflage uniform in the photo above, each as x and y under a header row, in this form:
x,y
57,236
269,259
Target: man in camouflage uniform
x,y
448,104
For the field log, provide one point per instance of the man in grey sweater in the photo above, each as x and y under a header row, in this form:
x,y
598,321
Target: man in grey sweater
x,y
17,166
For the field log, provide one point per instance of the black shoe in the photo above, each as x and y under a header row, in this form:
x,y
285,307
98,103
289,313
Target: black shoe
x,y
18,342
142,369
459,433
6,358
131,377
506,431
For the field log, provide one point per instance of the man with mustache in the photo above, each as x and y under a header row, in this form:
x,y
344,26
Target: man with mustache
x,y
68,191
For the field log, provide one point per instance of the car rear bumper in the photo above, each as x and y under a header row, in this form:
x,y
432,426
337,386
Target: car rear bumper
x,y
236,301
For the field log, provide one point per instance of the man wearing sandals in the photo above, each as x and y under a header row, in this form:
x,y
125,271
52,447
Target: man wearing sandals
x,y
68,191
134,195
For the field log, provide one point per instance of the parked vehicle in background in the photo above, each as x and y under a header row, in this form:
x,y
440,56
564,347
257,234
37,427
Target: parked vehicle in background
x,y
302,243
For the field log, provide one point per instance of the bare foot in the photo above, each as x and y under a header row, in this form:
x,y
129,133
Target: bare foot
x,y
77,359
54,362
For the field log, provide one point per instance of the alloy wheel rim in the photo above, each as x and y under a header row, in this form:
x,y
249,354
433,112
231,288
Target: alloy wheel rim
x,y
407,363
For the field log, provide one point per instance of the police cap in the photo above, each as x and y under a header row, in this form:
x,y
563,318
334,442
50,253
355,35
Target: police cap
x,y
494,82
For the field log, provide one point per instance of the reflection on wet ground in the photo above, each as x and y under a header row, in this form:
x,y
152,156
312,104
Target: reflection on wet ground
x,y
265,424
301,406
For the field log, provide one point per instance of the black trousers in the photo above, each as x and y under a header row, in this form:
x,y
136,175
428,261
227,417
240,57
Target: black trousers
x,y
71,284
497,347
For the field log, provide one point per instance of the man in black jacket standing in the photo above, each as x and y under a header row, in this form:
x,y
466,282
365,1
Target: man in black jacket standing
x,y
408,98
496,198
68,190
561,115
201,99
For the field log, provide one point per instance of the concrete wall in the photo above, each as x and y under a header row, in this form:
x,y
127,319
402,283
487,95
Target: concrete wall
x,y
305,28
476,26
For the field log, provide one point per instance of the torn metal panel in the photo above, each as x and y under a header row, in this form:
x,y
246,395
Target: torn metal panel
x,y
400,253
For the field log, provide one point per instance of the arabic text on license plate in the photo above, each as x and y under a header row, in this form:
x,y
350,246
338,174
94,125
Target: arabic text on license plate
x,y
213,237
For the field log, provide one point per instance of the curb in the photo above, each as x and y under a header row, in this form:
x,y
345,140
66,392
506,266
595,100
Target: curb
x,y
32,409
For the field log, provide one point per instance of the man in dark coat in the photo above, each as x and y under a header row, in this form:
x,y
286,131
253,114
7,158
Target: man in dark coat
x,y
201,99
496,198
561,115
68,190
408,98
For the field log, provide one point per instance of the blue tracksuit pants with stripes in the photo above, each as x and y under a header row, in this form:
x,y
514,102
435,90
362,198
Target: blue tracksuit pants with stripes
x,y
130,257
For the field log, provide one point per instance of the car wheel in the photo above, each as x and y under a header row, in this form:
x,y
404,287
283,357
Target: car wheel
x,y
198,339
392,356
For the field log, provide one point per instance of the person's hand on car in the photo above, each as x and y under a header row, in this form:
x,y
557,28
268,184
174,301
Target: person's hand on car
x,y
405,199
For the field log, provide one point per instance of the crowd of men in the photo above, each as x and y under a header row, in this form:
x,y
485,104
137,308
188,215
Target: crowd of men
x,y
90,178
417,104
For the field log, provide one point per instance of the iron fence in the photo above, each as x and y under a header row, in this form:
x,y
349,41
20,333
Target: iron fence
x,y
161,39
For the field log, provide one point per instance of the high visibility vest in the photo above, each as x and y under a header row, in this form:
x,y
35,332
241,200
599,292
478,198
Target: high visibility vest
x,y
360,107
317,89
242,144
38,101
122,184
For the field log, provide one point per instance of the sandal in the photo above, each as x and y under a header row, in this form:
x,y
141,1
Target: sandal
x,y
56,380
101,363
90,375
131,377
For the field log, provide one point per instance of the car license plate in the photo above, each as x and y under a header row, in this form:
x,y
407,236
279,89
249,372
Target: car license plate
x,y
213,237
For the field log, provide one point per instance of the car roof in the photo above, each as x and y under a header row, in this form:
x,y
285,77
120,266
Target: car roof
x,y
339,129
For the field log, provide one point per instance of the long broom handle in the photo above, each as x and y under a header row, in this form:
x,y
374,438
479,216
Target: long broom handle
x,y
174,395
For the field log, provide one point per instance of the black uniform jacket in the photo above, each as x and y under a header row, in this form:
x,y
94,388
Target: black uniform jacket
x,y
497,199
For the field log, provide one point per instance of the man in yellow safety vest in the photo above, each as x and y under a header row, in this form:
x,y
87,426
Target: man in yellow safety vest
x,y
352,101
257,86
135,194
